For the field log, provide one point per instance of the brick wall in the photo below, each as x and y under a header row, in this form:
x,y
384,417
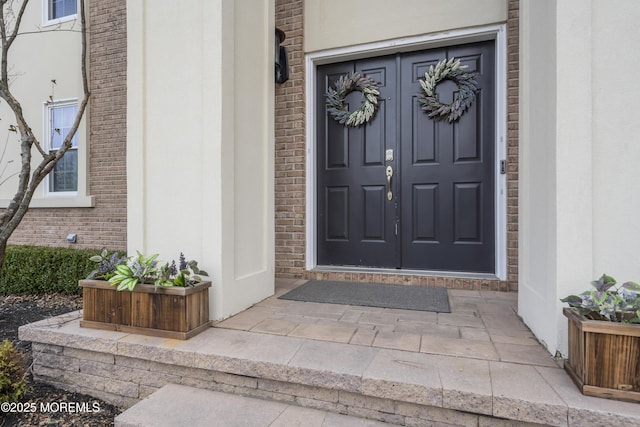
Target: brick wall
x,y
290,166
290,147
104,225
513,65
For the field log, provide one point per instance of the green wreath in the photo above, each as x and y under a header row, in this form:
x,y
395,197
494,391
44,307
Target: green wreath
x,y
343,87
467,88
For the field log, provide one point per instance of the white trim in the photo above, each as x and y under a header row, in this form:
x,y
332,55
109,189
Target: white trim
x,y
501,193
64,200
310,217
46,22
428,41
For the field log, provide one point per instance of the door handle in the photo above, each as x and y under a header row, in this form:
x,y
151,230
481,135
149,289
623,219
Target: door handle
x,y
389,175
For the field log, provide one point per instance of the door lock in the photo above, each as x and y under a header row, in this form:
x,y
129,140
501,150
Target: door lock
x,y
389,155
389,175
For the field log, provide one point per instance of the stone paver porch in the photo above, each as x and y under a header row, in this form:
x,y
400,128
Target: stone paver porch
x,y
482,325
477,366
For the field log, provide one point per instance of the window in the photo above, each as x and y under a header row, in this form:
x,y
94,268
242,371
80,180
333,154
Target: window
x,y
57,10
64,177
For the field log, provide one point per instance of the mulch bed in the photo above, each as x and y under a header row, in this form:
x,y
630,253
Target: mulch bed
x,y
18,310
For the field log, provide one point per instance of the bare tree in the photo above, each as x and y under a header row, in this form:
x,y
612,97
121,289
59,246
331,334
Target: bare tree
x,y
11,14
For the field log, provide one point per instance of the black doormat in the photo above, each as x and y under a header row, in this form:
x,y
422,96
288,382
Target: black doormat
x,y
372,295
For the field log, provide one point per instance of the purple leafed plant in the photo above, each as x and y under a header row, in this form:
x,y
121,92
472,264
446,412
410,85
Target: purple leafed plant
x,y
608,302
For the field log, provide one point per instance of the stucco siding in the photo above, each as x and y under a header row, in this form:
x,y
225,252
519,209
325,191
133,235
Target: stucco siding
x,y
339,23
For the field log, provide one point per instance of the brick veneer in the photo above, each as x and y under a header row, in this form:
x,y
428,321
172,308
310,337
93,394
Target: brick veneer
x,y
290,165
513,65
105,224
290,147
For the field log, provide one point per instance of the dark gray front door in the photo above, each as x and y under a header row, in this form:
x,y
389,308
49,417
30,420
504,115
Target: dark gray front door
x,y
442,214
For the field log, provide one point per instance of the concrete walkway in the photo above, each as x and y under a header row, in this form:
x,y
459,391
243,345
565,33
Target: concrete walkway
x,y
166,407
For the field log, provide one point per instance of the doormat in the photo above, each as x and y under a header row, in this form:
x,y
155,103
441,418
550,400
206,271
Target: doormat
x,y
420,298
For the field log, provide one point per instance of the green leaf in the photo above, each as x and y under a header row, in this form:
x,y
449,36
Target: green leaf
x,y
165,283
604,283
179,280
130,283
96,258
572,299
632,286
151,258
124,270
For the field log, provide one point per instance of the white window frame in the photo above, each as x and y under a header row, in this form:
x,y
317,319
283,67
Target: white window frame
x,y
62,199
48,107
45,15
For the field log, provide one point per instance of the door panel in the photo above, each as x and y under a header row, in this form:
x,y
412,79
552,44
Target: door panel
x,y
467,208
374,213
442,214
337,224
424,203
456,161
353,160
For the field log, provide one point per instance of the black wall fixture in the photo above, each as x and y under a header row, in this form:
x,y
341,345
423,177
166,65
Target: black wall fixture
x,y
282,61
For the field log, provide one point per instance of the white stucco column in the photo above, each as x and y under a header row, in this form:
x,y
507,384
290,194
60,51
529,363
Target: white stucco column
x,y
555,163
200,141
576,211
616,136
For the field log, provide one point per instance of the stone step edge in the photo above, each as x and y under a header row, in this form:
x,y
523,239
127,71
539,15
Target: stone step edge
x,y
177,404
52,332
153,349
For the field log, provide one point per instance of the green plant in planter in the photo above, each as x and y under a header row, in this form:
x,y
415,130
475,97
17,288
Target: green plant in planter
x,y
608,302
106,265
139,269
186,274
126,273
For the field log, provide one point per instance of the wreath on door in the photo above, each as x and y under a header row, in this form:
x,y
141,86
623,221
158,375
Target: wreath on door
x,y
343,87
467,87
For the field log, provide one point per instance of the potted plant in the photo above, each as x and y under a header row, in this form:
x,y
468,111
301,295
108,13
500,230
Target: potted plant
x,y
604,339
140,295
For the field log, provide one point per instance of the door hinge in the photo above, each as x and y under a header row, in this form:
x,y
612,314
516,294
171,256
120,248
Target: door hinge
x,y
503,167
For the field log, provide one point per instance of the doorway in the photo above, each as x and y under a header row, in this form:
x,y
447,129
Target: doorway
x,y
441,213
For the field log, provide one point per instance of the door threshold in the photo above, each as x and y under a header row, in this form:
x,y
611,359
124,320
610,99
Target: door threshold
x,y
402,272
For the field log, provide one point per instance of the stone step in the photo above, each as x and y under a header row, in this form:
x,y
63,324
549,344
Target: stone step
x,y
386,385
178,405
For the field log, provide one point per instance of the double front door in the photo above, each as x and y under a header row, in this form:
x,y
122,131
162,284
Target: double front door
x,y
404,190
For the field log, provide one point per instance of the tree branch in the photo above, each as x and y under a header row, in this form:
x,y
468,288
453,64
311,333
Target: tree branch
x,y
3,39
27,185
16,27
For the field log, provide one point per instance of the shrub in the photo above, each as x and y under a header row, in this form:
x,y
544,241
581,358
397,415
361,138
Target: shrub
x,y
39,270
13,381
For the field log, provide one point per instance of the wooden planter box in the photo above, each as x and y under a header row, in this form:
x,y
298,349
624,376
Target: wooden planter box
x,y
168,312
604,357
